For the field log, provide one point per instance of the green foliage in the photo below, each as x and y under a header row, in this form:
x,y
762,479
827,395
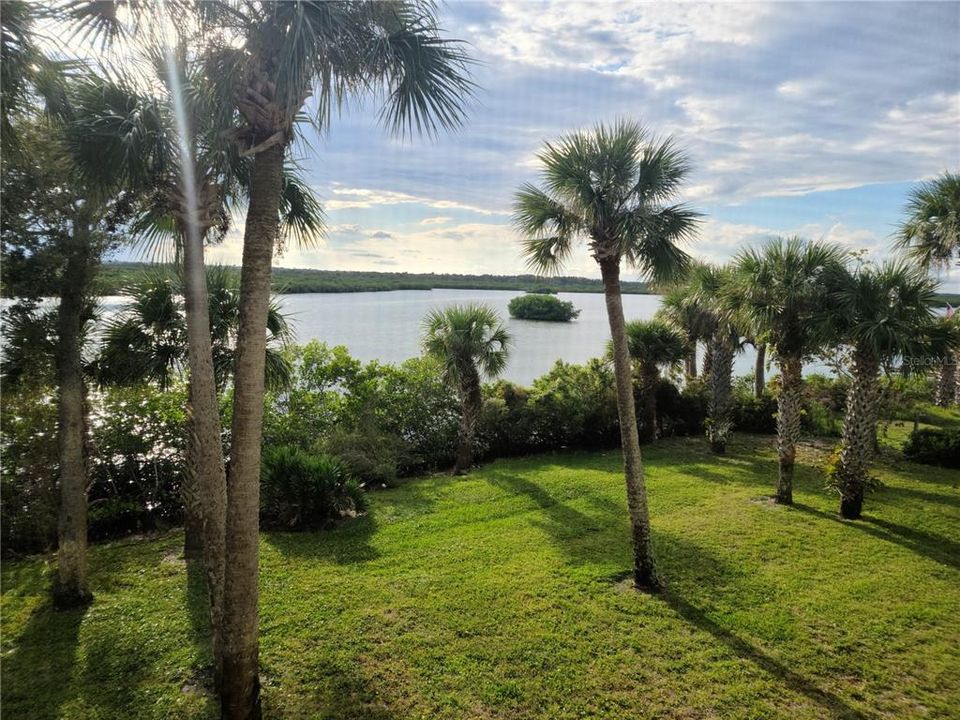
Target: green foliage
x,y
610,187
116,275
931,231
300,491
542,307
932,446
654,344
135,460
467,341
498,595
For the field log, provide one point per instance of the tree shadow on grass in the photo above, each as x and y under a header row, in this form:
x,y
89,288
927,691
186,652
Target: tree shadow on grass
x,y
347,543
933,498
743,649
36,674
583,537
696,576
934,547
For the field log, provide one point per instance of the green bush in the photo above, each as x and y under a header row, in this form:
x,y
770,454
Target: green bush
x,y
755,414
934,447
542,307
681,412
135,461
301,491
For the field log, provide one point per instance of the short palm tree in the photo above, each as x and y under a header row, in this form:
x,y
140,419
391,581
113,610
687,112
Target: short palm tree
x,y
706,286
612,188
471,344
679,308
882,313
781,290
947,390
653,344
147,340
931,235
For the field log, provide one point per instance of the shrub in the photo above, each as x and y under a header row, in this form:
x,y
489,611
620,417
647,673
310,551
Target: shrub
x,y
934,447
755,414
371,455
135,445
681,412
300,491
542,307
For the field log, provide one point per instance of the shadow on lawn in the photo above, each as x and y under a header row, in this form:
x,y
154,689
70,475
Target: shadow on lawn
x,y
934,547
584,538
36,675
696,577
345,544
743,649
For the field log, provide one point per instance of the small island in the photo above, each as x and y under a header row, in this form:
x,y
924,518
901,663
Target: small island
x,y
536,306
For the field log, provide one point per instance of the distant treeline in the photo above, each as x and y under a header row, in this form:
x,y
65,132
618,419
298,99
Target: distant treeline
x,y
114,276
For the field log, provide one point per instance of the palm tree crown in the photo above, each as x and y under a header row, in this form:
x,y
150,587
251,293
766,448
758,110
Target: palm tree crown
x,y
931,233
464,337
610,186
883,310
781,288
655,344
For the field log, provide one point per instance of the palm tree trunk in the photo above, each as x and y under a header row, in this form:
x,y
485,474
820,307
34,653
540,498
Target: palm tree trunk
x,y
956,389
720,404
471,401
947,380
71,588
690,364
759,370
859,429
241,685
708,358
205,490
789,405
644,567
647,424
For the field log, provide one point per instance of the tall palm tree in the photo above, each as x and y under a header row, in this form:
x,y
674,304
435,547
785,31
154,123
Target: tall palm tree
x,y
611,187
781,289
471,344
652,344
171,142
271,56
881,313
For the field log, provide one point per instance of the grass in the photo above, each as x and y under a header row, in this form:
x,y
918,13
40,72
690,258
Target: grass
x,y
502,595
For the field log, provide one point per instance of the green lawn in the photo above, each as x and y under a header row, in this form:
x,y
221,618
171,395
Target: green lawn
x,y
502,596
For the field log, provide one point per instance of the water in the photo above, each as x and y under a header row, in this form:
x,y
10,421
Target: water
x,y
386,326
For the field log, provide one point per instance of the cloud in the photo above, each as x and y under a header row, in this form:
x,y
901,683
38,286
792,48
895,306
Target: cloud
x,y
350,198
436,220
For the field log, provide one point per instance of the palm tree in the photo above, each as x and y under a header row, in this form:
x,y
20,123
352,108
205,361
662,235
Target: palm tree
x,y
931,232
471,344
780,289
147,340
881,313
679,308
947,391
611,187
931,235
271,56
172,144
652,344
706,286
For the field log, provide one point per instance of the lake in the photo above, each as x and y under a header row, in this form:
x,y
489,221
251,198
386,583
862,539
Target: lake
x,y
386,326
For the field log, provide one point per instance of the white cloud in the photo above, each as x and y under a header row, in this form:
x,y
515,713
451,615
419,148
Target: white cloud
x,y
350,198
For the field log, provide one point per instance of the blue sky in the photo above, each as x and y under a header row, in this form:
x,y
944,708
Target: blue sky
x,y
799,118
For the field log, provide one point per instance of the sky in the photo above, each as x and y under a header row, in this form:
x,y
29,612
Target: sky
x,y
799,118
